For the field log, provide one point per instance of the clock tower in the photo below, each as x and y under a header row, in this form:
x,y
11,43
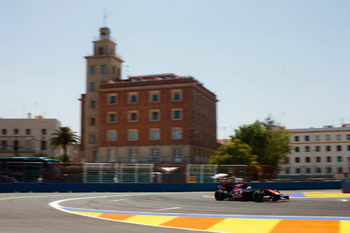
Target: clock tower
x,y
103,66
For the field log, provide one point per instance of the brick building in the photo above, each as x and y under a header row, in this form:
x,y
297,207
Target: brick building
x,y
162,118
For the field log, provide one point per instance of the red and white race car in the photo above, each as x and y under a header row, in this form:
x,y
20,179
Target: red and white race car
x,y
229,191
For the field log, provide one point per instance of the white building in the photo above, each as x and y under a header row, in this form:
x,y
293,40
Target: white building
x,y
319,152
27,137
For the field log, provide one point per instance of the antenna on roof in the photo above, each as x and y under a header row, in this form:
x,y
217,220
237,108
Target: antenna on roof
x,y
105,15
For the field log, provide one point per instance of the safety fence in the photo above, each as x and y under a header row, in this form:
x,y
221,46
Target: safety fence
x,y
128,172
142,173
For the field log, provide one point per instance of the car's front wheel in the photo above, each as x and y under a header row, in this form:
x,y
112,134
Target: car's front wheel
x,y
220,195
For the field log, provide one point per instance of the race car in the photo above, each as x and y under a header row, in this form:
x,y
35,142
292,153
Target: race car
x,y
244,192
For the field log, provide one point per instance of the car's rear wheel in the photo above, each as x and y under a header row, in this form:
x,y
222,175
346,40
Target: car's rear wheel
x,y
258,196
220,195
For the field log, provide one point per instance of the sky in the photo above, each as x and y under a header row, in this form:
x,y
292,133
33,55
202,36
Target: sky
x,y
288,59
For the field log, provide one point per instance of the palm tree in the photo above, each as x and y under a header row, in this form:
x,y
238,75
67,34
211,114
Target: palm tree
x,y
64,137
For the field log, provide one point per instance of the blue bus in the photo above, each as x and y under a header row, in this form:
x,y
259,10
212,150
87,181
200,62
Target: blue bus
x,y
29,169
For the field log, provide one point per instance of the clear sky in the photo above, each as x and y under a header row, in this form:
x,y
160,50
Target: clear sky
x,y
286,58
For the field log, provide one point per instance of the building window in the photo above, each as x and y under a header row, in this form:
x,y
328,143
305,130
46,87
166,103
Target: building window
x,y
43,131
16,131
133,116
104,69
133,155
133,135
92,69
92,86
338,137
329,170
176,114
155,157
92,104
328,148
317,138
348,147
307,149
4,131
339,159
100,51
176,95
92,138
318,148
297,170
308,170
95,157
307,138
28,132
16,145
348,136
339,148
340,170
297,160
154,96
319,170
296,149
112,117
155,134
176,133
43,145
133,97
328,137
307,159
177,155
112,99
154,115
92,120
111,158
318,159
296,138
3,145
112,135
329,159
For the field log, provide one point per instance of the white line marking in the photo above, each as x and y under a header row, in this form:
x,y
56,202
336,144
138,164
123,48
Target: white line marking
x,y
171,208
56,205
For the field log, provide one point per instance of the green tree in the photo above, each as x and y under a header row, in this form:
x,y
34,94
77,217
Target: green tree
x,y
64,137
268,140
234,152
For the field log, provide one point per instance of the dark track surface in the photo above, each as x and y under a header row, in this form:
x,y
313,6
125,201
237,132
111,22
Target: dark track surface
x,y
30,212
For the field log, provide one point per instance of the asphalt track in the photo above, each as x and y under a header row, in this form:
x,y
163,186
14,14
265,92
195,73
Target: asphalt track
x,y
306,212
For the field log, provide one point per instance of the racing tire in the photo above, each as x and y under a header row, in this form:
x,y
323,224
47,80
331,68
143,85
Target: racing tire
x,y
276,198
220,195
258,196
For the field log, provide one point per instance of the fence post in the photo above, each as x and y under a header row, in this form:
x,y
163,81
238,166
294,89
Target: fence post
x,y
136,173
100,171
115,179
151,174
201,180
188,169
84,173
